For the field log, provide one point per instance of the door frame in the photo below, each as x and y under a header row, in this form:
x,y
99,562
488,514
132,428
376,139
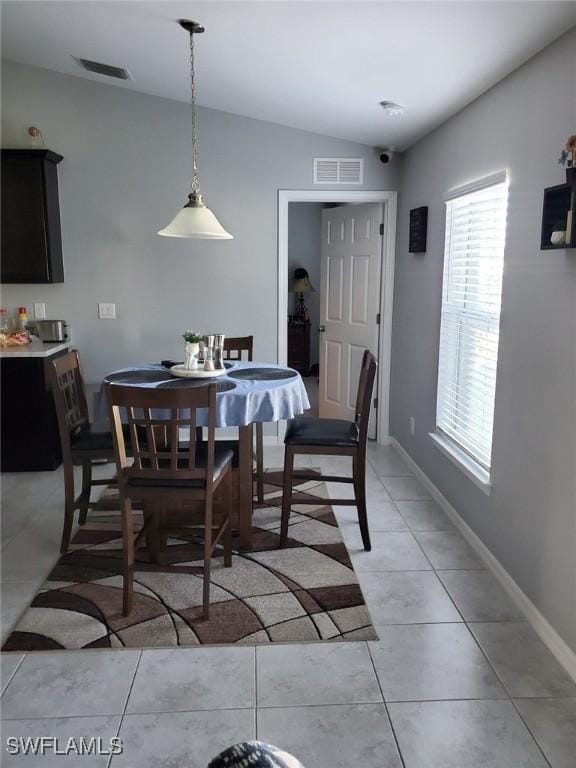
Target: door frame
x,y
389,202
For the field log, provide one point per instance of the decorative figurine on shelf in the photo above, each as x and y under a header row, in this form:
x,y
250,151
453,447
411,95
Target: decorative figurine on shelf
x,y
36,138
568,158
301,284
192,349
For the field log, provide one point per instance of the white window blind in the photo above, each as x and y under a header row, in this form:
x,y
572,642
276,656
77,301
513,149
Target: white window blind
x,y
469,331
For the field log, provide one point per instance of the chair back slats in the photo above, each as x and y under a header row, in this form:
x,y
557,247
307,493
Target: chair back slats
x,y
67,385
235,346
364,395
155,419
152,452
194,433
69,394
174,437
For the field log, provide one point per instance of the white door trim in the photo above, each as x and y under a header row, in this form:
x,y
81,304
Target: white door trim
x,y
389,200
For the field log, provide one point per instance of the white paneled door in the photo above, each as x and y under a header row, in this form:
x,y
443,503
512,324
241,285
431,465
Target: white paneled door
x,y
351,257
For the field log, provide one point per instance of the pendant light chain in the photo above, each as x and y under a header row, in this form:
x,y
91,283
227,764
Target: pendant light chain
x,y
195,186
195,219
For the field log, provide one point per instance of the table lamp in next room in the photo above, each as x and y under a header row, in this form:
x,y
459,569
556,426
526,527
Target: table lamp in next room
x,y
301,284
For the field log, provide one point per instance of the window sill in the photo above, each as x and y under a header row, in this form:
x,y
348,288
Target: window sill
x,y
479,476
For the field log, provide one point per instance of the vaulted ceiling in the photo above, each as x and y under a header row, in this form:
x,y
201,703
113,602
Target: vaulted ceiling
x,y
318,66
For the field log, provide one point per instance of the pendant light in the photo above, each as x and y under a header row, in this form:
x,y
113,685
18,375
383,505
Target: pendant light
x,y
195,220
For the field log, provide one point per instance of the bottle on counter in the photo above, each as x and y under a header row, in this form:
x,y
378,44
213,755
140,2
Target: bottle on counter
x,y
22,318
4,327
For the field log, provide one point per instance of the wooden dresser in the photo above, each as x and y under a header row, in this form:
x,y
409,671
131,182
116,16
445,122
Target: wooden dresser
x,y
299,346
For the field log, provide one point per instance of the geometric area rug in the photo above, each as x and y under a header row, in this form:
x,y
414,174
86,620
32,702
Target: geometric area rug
x,y
305,592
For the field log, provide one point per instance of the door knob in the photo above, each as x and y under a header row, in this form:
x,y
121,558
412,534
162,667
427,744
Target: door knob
x,y
322,329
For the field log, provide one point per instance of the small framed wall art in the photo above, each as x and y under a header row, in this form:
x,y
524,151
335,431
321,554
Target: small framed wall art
x,y
418,229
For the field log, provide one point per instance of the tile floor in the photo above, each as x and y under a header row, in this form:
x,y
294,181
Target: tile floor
x,y
457,679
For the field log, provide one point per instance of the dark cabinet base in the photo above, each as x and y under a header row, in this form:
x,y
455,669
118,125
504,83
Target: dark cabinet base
x,y
30,440
299,347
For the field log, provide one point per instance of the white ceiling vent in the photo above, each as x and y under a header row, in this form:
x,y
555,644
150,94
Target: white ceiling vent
x,y
338,170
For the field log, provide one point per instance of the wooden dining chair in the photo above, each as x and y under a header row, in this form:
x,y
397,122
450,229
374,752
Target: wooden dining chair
x,y
82,443
168,474
333,437
233,349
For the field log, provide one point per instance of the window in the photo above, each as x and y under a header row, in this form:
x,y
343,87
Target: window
x,y
469,329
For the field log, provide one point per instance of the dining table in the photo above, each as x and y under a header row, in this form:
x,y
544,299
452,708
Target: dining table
x,y
247,393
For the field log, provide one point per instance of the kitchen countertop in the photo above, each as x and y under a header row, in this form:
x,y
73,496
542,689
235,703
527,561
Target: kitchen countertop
x,y
34,349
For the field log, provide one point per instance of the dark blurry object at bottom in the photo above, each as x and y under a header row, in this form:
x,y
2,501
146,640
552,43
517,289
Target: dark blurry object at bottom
x,y
254,754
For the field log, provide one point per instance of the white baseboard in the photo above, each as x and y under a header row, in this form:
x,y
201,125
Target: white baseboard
x,y
561,650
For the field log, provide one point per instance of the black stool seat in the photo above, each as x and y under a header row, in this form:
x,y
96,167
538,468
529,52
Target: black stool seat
x,y
336,433
95,437
232,446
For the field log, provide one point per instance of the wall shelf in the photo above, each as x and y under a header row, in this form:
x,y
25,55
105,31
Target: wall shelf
x,y
559,206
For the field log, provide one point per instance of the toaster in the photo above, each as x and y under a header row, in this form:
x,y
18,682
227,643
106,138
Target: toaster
x,y
49,330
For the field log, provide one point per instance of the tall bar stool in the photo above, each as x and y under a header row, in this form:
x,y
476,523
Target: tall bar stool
x,y
234,347
169,475
82,443
333,437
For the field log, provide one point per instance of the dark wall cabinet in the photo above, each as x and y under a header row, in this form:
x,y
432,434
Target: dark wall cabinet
x,y
31,237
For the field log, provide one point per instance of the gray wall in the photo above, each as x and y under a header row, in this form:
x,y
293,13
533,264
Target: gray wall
x,y
125,173
304,234
529,521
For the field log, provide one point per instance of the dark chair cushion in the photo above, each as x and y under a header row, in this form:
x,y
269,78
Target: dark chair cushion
x,y
233,446
334,433
95,437
222,456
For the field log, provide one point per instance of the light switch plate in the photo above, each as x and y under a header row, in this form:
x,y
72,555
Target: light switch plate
x,y
40,311
107,311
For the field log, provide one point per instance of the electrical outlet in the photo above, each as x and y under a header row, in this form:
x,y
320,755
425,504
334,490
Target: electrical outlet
x,y
412,425
107,311
40,311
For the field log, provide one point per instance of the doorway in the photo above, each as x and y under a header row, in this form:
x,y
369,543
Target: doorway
x,y
378,338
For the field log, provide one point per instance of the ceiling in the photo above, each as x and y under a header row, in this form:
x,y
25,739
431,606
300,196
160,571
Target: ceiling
x,y
321,66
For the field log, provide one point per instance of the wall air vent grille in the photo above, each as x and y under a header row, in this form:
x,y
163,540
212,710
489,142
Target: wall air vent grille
x,y
103,69
338,170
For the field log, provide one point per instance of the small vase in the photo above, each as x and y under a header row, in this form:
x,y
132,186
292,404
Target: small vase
x,y
192,351
571,175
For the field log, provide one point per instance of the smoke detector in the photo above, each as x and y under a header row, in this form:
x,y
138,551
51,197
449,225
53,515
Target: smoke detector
x,y
391,108
108,70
